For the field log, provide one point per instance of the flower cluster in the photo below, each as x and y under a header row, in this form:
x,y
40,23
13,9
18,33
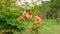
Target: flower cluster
x,y
25,14
29,17
38,22
38,19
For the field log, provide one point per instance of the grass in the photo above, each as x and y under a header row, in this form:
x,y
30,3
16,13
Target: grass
x,y
50,27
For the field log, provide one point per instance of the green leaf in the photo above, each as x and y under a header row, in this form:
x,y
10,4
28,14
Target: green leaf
x,y
11,21
20,25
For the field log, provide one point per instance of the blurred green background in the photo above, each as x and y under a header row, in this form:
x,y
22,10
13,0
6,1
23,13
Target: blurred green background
x,y
10,11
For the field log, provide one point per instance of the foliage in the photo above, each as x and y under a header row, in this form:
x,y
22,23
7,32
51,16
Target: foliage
x,y
9,13
55,6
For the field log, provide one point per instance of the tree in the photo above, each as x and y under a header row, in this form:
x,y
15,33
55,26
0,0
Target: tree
x,y
55,7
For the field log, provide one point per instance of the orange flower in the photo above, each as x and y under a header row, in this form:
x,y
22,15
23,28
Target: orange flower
x,y
37,18
34,23
20,18
29,16
39,22
24,13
